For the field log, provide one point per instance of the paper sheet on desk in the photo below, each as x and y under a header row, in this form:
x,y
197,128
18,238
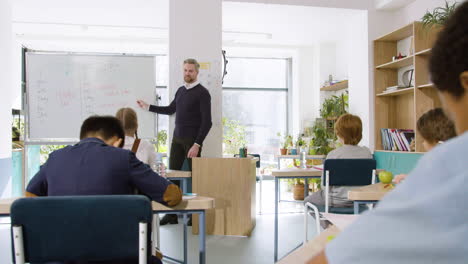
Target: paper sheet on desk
x,y
188,197
340,220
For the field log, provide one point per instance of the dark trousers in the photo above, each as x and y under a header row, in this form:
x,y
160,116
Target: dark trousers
x,y
179,150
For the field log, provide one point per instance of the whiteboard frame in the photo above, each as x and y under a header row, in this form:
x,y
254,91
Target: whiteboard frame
x,y
71,141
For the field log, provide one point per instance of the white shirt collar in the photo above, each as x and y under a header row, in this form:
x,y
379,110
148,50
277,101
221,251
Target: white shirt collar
x,y
191,85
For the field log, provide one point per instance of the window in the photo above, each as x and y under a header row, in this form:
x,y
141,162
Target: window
x,y
255,93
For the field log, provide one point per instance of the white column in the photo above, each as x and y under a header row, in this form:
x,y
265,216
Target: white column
x,y
5,93
195,32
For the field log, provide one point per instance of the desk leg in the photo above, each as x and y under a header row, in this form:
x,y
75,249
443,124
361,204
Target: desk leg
x,y
185,261
306,187
276,219
201,237
260,195
184,186
156,236
356,207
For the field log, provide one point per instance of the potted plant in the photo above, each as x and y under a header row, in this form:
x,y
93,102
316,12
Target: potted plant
x,y
334,107
300,144
321,139
234,136
286,142
162,140
298,190
439,15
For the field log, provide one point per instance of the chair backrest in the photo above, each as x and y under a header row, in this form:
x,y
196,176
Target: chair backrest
x,y
257,164
349,172
81,228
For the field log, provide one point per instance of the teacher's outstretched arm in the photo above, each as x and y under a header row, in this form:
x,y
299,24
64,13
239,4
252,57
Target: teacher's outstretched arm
x,y
165,110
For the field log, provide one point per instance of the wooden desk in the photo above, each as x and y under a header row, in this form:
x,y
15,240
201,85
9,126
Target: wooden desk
x,y
311,248
231,181
179,175
194,205
369,194
308,157
5,205
296,173
290,174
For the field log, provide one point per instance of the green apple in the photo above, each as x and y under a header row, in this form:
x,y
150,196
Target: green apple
x,y
385,177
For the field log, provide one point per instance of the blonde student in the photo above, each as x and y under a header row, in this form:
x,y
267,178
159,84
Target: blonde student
x,y
435,128
425,219
143,149
348,129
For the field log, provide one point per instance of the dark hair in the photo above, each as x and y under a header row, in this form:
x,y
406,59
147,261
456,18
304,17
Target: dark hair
x,y
450,53
435,126
105,126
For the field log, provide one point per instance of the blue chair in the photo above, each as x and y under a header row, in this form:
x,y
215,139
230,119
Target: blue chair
x,y
342,172
82,228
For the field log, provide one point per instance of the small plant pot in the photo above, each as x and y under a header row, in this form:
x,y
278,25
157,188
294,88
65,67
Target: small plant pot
x,y
283,151
298,192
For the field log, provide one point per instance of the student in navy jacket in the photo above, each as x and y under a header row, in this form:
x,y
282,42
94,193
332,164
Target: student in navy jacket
x,y
97,165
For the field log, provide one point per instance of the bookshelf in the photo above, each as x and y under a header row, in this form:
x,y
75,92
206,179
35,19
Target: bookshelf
x,y
401,109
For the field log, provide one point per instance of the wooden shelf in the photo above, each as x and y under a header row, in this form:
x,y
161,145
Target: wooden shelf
x,y
423,52
397,92
403,107
399,34
407,61
429,85
336,87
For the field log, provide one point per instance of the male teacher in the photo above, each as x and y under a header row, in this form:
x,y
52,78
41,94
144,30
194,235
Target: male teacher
x,y
192,106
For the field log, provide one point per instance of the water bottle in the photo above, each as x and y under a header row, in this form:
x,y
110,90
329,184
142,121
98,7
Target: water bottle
x,y
160,166
303,160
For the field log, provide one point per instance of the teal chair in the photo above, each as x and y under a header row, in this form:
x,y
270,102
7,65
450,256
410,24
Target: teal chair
x,y
112,228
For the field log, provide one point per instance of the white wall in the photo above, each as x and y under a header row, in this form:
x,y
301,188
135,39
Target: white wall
x,y
362,29
198,36
308,85
6,42
5,78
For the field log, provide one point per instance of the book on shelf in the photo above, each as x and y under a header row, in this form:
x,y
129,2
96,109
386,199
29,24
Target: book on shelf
x,y
397,139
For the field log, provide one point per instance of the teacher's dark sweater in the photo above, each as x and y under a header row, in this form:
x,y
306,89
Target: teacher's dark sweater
x,y
193,112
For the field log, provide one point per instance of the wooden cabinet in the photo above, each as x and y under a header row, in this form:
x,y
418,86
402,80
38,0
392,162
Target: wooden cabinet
x,y
231,181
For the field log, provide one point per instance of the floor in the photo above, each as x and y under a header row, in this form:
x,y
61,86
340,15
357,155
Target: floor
x,y
258,248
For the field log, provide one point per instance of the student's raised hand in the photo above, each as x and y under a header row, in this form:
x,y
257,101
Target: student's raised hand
x,y
143,104
399,178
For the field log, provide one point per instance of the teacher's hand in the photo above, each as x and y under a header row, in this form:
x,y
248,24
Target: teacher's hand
x,y
143,104
193,152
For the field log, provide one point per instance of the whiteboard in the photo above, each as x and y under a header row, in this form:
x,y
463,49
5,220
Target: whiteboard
x,y
62,90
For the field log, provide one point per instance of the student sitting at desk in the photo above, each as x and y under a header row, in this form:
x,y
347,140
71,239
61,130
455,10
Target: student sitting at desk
x,y
435,128
143,150
424,220
348,129
98,166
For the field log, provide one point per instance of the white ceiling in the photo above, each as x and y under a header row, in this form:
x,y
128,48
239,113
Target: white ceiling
x,y
147,20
